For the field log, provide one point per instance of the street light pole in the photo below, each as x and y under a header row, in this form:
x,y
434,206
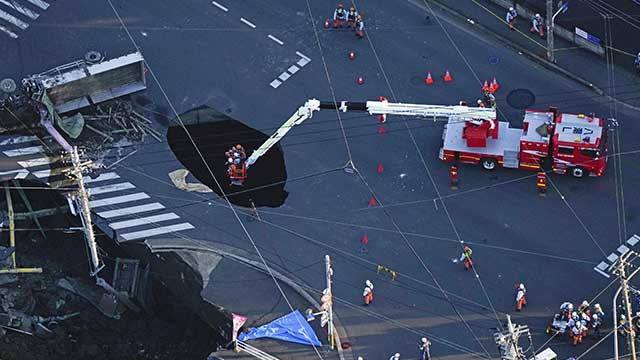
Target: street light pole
x,y
624,288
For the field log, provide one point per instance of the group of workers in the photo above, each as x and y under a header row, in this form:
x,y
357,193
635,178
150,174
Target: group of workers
x,y
351,18
236,157
537,23
581,320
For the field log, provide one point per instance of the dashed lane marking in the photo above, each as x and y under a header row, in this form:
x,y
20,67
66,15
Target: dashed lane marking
x,y
130,210
275,83
220,6
118,199
248,23
13,20
154,219
303,56
21,9
157,231
276,39
302,62
39,3
293,69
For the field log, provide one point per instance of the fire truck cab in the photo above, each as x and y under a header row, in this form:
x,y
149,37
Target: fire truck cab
x,y
564,143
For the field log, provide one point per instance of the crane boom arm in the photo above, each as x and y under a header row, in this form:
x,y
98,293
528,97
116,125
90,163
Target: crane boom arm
x,y
304,112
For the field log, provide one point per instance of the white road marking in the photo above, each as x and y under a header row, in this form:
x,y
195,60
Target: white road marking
x,y
249,23
24,151
21,173
303,56
302,62
149,220
14,20
157,231
220,6
293,69
130,210
118,199
36,162
101,177
8,32
18,139
275,83
284,76
21,9
276,39
39,3
111,188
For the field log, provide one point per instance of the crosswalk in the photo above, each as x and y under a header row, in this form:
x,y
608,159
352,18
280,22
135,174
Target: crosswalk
x,y
131,213
16,15
604,267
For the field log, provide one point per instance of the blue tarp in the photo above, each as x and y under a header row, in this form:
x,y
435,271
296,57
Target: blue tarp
x,y
292,327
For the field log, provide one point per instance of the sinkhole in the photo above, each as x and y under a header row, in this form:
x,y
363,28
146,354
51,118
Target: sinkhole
x,y
214,133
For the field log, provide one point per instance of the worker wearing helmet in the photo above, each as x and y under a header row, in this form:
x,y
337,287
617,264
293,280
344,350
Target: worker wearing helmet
x,y
352,16
637,62
368,292
359,27
567,310
395,356
576,332
481,104
521,299
584,308
424,349
536,25
339,16
466,257
511,18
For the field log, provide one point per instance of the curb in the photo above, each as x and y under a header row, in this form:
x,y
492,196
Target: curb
x,y
260,267
529,54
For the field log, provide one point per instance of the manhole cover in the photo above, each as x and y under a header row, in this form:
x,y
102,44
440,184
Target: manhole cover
x,y
8,85
521,98
494,60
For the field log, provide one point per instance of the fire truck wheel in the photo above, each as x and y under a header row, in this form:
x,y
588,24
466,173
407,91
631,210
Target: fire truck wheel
x,y
488,163
578,172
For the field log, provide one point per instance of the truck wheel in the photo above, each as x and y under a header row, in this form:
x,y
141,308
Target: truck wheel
x,y
578,172
488,163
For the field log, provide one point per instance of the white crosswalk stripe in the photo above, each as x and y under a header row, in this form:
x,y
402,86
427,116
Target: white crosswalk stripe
x,y
111,188
13,10
130,210
118,200
143,221
24,151
156,231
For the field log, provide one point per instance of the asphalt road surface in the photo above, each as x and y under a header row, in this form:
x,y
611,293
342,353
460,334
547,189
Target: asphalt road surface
x,y
202,54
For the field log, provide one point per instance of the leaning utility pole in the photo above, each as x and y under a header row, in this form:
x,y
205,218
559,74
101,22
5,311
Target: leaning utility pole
x,y
508,341
329,273
82,205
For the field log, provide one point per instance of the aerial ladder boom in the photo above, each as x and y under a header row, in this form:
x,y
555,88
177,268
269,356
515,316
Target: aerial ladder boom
x,y
383,107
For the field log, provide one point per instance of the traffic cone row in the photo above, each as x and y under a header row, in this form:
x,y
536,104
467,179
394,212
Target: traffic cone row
x,y
491,87
446,78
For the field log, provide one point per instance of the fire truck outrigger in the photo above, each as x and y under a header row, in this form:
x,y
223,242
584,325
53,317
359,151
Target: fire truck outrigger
x,y
576,144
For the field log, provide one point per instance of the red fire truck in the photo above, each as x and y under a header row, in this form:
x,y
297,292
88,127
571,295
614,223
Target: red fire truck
x,y
564,143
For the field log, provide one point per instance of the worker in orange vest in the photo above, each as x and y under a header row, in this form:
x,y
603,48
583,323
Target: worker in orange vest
x,y
454,177
359,27
542,182
339,16
466,257
481,104
577,329
368,292
536,25
521,298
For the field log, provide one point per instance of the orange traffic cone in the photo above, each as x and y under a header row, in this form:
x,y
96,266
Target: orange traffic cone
x,y
380,169
352,55
381,130
428,80
365,239
447,76
360,80
486,85
372,202
326,24
494,84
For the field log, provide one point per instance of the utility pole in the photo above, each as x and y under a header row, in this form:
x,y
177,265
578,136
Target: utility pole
x,y
329,273
550,17
508,341
82,204
624,287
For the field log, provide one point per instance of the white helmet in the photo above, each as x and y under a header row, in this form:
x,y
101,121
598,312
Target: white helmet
x,y
511,9
479,101
396,356
521,286
538,16
585,303
360,358
597,306
369,284
230,160
424,340
622,317
595,316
